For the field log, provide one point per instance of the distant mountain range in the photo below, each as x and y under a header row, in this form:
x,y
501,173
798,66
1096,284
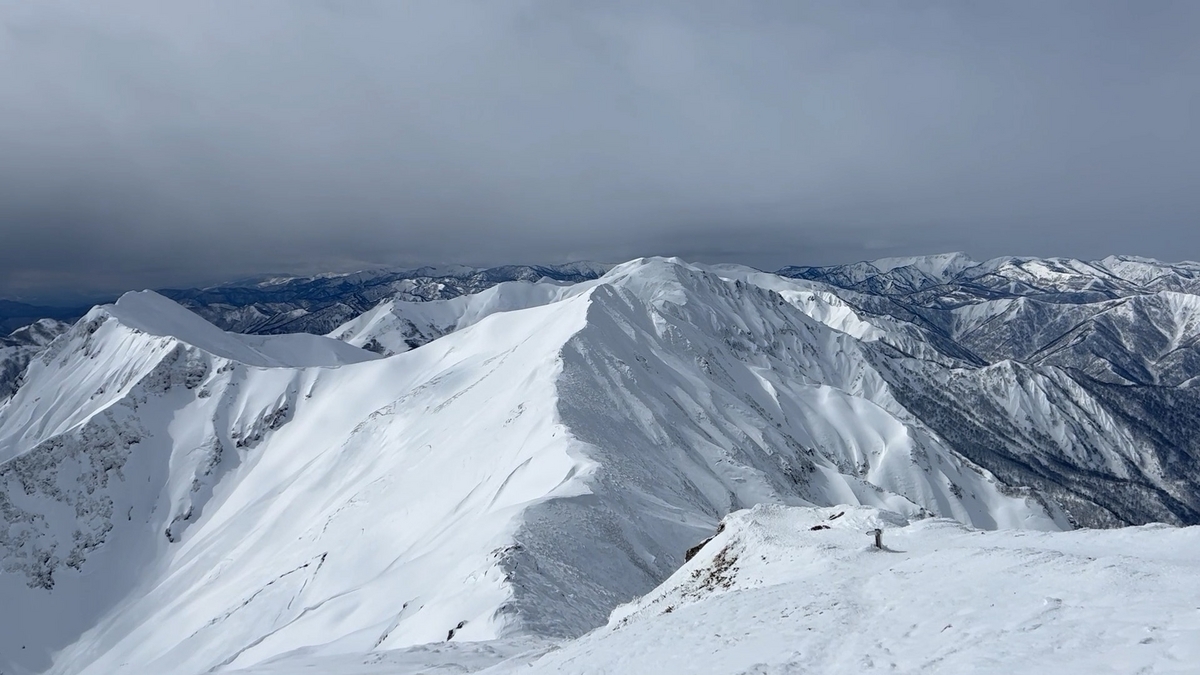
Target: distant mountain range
x,y
378,461
1110,348
272,305
318,304
15,315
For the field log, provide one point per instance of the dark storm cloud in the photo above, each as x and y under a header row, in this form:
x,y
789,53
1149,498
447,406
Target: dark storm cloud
x,y
152,144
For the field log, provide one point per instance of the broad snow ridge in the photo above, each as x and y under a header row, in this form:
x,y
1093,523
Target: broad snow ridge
x,y
506,469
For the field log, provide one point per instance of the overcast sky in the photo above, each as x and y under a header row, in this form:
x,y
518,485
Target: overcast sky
x,y
151,144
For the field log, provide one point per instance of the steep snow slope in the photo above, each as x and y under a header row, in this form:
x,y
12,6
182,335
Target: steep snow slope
x,y
696,396
849,312
207,506
229,488
152,313
116,346
396,326
112,447
18,348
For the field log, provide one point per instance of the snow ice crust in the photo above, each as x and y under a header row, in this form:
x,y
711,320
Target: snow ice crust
x,y
176,499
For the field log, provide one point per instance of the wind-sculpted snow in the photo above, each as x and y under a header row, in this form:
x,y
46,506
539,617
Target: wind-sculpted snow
x,y
524,473
177,498
696,396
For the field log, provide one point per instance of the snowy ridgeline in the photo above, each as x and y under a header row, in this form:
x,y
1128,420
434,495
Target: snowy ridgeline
x,y
174,498
801,590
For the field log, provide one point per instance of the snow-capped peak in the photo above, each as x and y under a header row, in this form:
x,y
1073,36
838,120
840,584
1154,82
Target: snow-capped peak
x,y
536,454
939,266
151,313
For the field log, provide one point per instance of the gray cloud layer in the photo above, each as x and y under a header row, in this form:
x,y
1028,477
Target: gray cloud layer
x,y
151,144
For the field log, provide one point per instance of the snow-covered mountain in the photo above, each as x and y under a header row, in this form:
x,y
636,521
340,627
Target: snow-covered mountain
x,y
17,315
1119,320
514,464
949,274
19,347
273,305
1077,378
398,325
318,304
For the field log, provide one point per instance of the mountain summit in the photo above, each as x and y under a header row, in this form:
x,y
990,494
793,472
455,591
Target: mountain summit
x,y
515,464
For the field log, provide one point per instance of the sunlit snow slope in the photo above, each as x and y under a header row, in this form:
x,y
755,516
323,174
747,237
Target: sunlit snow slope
x,y
19,347
398,325
175,498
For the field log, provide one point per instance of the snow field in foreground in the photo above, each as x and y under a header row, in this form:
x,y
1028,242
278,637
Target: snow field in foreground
x,y
770,594
802,590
